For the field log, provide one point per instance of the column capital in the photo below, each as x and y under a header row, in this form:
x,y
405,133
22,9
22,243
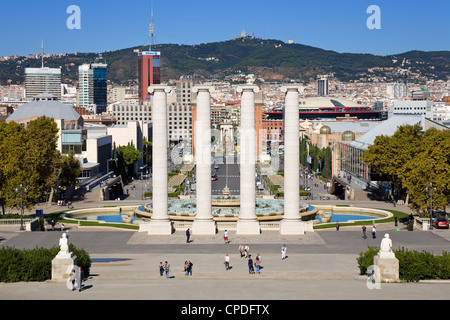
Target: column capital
x,y
159,87
205,87
249,87
287,88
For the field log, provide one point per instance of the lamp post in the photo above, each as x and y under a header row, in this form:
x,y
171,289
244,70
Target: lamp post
x,y
430,193
22,190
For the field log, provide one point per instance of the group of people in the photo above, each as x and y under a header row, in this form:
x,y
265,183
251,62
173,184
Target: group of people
x,y
77,279
364,229
253,266
166,269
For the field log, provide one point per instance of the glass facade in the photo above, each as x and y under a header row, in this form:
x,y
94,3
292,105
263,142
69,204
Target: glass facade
x,y
100,87
350,161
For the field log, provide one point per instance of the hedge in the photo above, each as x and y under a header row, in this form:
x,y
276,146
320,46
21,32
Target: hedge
x,y
36,264
413,265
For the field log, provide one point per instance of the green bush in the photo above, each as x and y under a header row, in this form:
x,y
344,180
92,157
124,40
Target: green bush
x,y
413,265
365,259
35,265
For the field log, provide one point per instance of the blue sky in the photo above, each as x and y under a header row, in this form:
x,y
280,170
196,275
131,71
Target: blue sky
x,y
328,24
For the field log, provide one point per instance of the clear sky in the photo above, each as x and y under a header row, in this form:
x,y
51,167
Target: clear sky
x,y
327,24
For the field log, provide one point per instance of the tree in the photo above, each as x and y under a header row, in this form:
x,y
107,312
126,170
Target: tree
x,y
127,156
413,160
430,165
28,156
70,171
388,155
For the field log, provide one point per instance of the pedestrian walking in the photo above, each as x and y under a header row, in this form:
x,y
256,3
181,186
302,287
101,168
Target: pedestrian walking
x,y
73,279
337,225
283,252
250,265
185,268
161,269
246,250
374,232
80,278
189,268
225,237
363,230
257,264
226,262
241,250
167,269
188,234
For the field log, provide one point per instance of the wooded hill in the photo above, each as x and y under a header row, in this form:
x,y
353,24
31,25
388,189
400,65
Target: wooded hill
x,y
270,59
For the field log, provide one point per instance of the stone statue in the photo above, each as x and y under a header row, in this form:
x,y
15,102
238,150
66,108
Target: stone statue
x,y
386,248
64,247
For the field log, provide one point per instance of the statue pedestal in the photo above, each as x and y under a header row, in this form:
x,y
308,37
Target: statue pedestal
x,y
386,268
62,266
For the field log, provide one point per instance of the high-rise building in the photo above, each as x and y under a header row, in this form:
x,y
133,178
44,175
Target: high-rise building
x,y
92,88
149,72
322,87
42,80
396,90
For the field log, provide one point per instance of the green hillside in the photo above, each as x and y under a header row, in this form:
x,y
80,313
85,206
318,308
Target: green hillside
x,y
271,59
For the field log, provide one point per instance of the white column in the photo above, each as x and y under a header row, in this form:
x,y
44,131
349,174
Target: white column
x,y
291,223
203,223
247,223
160,223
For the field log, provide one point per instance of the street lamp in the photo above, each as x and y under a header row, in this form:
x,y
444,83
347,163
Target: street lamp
x,y
22,190
430,193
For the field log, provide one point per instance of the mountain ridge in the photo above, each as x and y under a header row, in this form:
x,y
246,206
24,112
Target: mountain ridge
x,y
271,59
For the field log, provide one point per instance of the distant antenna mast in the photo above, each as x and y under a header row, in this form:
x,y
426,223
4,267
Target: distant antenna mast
x,y
152,31
42,52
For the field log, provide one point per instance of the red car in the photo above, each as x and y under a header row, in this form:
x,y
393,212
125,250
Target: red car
x,y
440,222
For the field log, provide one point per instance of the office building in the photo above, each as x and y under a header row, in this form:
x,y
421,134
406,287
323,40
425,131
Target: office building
x,y
130,110
396,90
414,107
42,80
322,87
92,89
149,72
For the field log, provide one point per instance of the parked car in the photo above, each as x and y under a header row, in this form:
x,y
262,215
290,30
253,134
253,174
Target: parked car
x,y
440,223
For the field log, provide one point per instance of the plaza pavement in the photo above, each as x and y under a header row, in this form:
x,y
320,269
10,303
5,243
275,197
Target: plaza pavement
x,y
321,265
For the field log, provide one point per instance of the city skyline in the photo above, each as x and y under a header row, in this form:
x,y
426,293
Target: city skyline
x,y
341,27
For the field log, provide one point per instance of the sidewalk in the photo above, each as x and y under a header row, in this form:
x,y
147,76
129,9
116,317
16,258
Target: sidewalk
x,y
320,264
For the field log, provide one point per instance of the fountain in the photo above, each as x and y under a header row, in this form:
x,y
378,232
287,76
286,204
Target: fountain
x,y
228,206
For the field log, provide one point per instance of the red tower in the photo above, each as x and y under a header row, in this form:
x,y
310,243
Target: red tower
x,y
149,72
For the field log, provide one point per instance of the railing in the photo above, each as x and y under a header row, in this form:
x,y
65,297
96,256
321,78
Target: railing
x,y
269,225
14,221
228,225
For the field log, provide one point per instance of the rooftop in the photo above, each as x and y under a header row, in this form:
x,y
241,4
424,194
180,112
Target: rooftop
x,y
44,105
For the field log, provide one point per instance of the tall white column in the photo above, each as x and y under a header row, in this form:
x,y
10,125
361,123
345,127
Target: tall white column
x,y
291,223
203,223
160,223
247,223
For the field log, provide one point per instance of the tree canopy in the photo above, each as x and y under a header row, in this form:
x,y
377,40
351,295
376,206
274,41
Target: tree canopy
x,y
413,159
29,156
